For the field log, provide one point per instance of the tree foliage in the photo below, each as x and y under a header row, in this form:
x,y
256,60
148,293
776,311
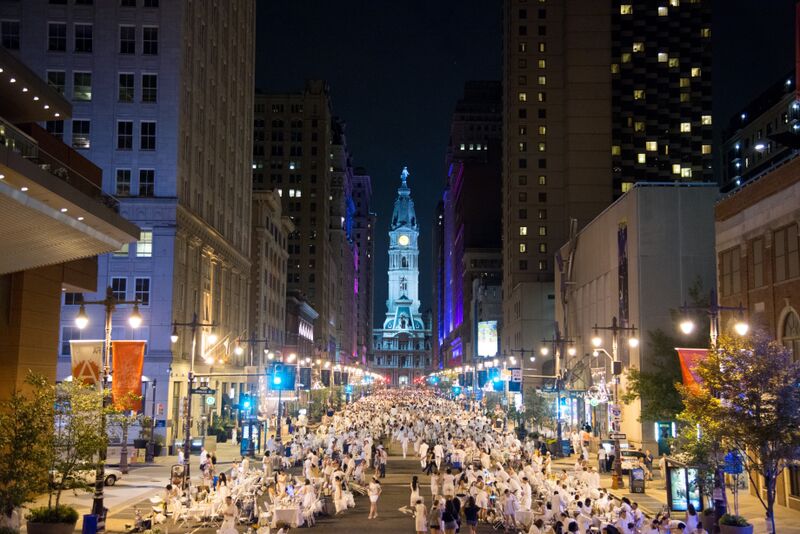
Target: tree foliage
x,y
539,408
749,401
656,386
26,439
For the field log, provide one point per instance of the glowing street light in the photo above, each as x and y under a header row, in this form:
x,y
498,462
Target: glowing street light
x,y
687,326
741,328
597,341
633,342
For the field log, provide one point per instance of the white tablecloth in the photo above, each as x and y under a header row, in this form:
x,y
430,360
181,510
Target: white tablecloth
x,y
524,517
287,515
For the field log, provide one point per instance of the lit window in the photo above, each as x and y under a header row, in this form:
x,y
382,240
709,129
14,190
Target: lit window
x,y
706,149
540,97
523,47
626,9
144,247
541,47
651,146
705,119
523,248
676,168
627,186
638,46
663,11
543,230
662,57
542,64
543,248
685,97
638,126
674,62
705,32
542,265
542,147
542,130
461,146
523,130
641,157
696,72
626,57
523,146
675,3
542,179
615,68
684,82
686,127
616,150
523,230
542,80
638,94
523,97
686,172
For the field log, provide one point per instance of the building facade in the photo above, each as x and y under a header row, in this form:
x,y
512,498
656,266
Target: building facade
x,y
55,220
758,267
402,347
470,221
300,150
162,104
269,258
363,235
627,264
585,86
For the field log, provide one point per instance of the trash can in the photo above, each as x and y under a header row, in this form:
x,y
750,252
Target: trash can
x,y
89,524
636,480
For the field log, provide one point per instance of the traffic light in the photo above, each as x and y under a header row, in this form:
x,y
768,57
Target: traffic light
x,y
456,390
281,377
245,402
348,389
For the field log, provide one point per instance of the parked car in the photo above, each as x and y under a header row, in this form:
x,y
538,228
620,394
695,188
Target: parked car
x,y
87,476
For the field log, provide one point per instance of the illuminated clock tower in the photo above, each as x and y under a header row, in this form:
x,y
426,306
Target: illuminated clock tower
x,y
403,259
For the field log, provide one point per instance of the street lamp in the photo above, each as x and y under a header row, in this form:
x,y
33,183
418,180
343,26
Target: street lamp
x,y
741,328
239,351
110,302
616,369
559,344
687,326
194,325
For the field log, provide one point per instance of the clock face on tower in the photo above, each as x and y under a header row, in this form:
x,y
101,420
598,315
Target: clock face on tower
x,y
403,241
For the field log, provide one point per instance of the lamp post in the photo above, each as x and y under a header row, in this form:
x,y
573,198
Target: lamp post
x,y
616,368
558,343
148,454
110,302
194,325
238,350
713,310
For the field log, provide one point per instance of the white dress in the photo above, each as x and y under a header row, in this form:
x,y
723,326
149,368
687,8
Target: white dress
x,y
414,495
420,518
374,491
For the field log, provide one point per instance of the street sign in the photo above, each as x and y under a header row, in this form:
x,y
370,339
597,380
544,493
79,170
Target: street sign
x,y
203,390
615,409
733,463
161,423
617,435
516,375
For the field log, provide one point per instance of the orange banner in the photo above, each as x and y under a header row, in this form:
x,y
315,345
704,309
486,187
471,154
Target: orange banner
x,y
126,384
690,358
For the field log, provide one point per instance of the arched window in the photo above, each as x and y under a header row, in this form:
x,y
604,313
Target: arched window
x,y
790,334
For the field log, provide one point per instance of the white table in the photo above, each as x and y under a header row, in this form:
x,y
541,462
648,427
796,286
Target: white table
x,y
290,515
524,517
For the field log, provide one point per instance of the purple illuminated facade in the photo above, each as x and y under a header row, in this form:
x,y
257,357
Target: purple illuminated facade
x,y
467,233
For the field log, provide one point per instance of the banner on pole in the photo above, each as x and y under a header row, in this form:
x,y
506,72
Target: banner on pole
x,y
87,360
128,359
690,358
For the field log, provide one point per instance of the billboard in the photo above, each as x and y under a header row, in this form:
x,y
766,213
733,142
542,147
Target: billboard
x,y
487,338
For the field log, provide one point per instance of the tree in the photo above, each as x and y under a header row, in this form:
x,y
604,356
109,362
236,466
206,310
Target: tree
x,y
122,417
77,436
749,401
538,408
656,386
26,437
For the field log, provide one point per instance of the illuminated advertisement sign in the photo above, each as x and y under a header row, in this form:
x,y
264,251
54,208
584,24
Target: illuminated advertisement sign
x,y
487,338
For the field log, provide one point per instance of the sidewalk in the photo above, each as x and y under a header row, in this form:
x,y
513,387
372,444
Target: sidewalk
x,y
654,499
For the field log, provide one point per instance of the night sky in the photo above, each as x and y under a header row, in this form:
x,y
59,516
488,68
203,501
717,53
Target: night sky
x,y
396,69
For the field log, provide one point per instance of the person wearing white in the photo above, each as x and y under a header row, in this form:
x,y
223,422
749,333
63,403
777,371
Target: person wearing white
x,y
228,518
374,492
420,517
414,491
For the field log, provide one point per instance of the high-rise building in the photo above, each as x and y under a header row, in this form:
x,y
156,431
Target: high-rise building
x,y
363,235
402,346
598,95
162,103
54,220
470,221
269,257
300,151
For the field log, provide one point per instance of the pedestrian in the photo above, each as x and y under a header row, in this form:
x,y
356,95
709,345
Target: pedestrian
x,y
602,457
471,515
435,517
383,457
374,492
414,490
420,517
229,517
449,517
